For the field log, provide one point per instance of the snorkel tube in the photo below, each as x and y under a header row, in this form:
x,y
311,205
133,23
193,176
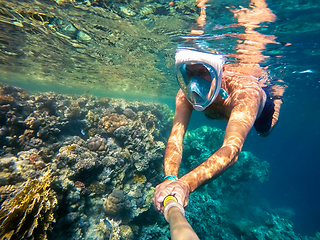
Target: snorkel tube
x,y
180,228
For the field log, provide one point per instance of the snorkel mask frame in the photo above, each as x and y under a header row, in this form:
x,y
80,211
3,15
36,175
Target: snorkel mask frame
x,y
213,63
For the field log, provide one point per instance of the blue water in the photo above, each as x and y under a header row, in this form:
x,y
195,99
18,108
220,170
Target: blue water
x,y
292,148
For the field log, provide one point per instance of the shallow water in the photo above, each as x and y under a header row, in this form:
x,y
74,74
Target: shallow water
x,y
127,50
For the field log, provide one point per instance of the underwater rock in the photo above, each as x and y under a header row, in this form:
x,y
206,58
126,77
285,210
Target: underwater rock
x,y
17,168
36,160
72,217
155,231
144,11
123,10
253,169
47,153
202,142
7,162
92,118
122,132
10,94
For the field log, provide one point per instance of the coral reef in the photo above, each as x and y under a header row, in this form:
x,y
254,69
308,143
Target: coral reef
x,y
106,158
200,143
109,175
27,212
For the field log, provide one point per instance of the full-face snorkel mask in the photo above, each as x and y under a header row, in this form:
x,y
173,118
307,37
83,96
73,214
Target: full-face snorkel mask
x,y
199,75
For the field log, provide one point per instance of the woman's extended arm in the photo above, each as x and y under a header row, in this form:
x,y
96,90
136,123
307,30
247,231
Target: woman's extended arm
x,y
173,156
173,153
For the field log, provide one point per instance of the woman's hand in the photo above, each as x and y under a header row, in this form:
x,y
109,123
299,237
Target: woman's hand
x,y
179,189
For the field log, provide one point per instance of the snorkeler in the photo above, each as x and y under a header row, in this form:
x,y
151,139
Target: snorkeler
x,y
210,86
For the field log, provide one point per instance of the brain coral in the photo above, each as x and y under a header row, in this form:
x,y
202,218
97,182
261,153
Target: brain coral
x,y
115,203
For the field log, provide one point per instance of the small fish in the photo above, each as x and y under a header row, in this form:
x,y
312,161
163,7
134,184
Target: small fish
x,y
307,71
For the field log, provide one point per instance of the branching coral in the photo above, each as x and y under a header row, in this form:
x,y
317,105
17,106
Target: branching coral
x,y
28,211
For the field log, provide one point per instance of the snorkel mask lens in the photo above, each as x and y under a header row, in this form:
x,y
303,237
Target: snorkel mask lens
x,y
199,89
198,82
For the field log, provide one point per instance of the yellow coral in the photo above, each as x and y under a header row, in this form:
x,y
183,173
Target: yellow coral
x,y
5,191
28,212
71,147
139,178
